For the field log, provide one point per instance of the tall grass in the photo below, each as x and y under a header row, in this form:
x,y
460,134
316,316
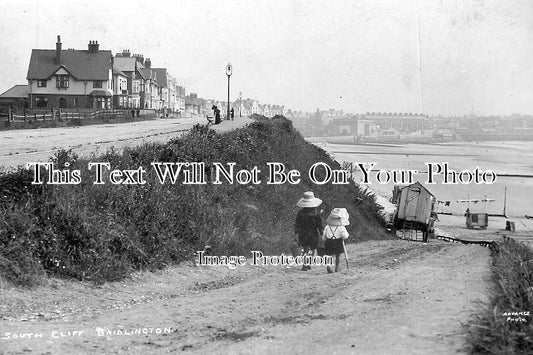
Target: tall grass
x,y
504,324
103,232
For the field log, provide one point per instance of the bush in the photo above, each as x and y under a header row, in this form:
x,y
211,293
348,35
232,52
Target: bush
x,y
103,232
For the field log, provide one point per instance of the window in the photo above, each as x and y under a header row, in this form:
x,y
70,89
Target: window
x,y
75,102
136,86
41,83
97,84
41,102
62,81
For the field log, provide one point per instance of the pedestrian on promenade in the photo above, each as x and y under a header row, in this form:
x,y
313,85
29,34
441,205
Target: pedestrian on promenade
x,y
334,234
308,226
216,112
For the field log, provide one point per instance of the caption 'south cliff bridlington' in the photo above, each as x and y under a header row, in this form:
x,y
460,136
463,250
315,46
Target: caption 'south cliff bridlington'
x,y
198,173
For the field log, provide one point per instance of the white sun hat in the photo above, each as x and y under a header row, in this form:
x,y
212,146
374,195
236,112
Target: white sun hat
x,y
309,200
338,217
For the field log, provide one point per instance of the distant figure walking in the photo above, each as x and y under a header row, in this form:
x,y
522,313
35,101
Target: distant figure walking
x,y
216,112
334,234
308,226
232,114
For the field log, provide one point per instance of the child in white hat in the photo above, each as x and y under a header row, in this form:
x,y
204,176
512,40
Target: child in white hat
x,y
334,234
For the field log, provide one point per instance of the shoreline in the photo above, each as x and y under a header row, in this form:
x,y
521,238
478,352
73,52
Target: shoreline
x,y
453,225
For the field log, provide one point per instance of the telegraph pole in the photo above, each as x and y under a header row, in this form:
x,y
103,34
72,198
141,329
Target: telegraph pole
x,y
228,73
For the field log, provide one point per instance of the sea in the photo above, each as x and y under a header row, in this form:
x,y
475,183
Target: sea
x,y
504,170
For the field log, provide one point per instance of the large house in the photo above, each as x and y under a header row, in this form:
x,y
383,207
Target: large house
x,y
152,93
132,67
70,78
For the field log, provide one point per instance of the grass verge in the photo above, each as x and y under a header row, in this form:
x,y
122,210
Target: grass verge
x,y
504,324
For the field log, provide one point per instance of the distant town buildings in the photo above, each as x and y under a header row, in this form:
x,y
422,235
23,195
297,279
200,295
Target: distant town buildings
x,y
411,126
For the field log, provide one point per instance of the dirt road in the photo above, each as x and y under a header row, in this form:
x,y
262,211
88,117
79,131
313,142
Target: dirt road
x,y
398,297
18,147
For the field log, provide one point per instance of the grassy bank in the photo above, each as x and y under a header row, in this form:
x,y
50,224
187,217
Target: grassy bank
x,y
504,325
103,232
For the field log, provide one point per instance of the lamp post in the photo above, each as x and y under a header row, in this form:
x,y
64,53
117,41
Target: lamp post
x,y
228,73
240,104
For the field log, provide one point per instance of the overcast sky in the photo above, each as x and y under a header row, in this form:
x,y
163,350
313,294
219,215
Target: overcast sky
x,y
435,56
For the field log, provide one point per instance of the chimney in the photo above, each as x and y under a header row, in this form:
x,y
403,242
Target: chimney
x,y
139,58
93,46
148,63
125,52
58,50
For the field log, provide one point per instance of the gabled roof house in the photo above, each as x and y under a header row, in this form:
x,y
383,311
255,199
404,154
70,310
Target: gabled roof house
x,y
70,78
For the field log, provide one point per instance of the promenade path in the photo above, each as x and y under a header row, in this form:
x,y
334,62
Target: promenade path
x,y
18,147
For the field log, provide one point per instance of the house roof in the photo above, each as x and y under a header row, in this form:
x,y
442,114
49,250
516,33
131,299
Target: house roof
x,y
125,64
81,64
17,91
141,73
148,73
161,75
117,71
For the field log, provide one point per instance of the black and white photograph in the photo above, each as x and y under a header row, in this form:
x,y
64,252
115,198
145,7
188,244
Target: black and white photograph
x,y
266,177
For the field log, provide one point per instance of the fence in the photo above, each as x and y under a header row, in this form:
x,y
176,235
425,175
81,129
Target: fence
x,y
43,115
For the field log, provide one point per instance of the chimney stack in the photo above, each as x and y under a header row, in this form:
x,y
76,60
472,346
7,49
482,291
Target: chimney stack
x,y
125,52
148,63
139,58
58,50
93,46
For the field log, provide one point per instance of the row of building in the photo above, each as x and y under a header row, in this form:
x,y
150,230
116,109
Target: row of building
x,y
95,79
385,124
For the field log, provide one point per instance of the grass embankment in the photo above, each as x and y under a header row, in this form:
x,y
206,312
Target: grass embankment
x,y
103,232
504,325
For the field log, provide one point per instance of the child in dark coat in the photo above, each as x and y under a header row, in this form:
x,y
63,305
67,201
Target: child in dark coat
x,y
308,226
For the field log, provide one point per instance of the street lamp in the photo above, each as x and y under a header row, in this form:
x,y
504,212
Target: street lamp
x,y
228,73
240,104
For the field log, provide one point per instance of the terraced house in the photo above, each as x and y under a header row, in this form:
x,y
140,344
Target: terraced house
x,y
132,67
70,78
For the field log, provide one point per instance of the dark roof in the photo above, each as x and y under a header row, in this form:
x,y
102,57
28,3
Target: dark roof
x,y
141,73
148,73
125,63
81,64
117,71
161,75
17,91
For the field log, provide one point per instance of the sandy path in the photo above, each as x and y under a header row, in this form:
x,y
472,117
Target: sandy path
x,y
17,147
397,297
